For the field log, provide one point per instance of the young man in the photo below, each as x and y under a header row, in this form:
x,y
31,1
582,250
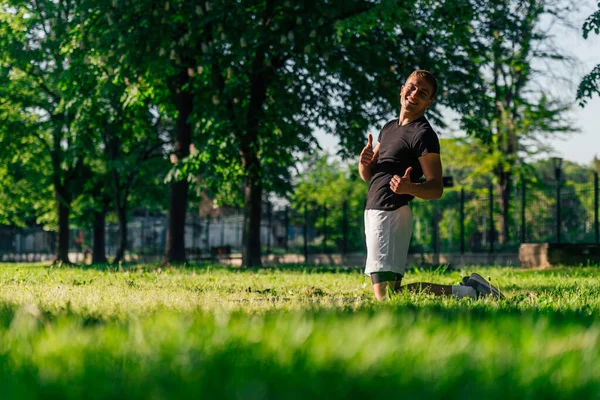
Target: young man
x,y
407,149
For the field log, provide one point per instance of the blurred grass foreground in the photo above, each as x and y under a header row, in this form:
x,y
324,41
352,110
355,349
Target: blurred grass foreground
x,y
292,333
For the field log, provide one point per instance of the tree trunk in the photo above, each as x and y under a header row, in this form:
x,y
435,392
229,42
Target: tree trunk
x,y
98,251
251,252
63,209
175,246
249,147
503,191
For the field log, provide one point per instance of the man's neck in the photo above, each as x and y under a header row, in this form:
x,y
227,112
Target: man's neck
x,y
407,117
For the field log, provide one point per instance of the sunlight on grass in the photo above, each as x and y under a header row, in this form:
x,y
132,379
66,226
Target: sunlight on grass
x,y
296,332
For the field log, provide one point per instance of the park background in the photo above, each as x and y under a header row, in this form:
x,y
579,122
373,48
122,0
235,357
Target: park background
x,y
147,145
145,131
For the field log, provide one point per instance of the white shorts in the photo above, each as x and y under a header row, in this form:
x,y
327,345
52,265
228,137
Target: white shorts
x,y
388,237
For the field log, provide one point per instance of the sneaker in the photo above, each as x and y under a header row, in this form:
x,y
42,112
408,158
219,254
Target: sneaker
x,y
483,287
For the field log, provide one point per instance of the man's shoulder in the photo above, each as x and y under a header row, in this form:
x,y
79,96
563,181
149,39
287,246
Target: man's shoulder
x,y
390,124
423,127
424,131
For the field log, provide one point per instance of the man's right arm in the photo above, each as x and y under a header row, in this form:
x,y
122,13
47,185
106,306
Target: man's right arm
x,y
368,158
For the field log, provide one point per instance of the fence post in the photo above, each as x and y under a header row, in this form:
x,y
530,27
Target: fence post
x,y
155,238
558,210
270,225
305,234
238,229
345,228
436,235
141,237
316,214
596,223
324,228
462,221
194,236
286,224
208,234
491,201
222,230
523,206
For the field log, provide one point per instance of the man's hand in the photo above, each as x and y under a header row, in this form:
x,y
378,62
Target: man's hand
x,y
366,155
402,185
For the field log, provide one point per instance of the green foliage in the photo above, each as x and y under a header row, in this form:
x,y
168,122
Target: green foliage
x,y
590,84
509,119
24,201
596,164
322,187
71,123
467,161
92,91
38,135
334,66
26,195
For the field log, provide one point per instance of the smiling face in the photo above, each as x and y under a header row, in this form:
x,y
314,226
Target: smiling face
x,y
416,95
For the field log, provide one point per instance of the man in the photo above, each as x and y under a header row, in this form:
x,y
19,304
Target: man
x,y
407,149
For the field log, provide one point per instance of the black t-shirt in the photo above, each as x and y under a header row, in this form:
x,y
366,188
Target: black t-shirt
x,y
400,147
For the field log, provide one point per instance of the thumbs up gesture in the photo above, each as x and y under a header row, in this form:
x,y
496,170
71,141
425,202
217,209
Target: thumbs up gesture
x,y
401,185
366,155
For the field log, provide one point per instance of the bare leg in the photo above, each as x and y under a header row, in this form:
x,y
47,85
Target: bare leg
x,y
380,289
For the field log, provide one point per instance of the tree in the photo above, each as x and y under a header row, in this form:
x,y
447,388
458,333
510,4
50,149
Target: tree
x,y
36,72
591,82
91,209
510,119
281,69
95,126
166,67
24,196
596,164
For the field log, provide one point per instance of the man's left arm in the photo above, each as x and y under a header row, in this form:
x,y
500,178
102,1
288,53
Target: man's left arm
x,y
431,189
433,186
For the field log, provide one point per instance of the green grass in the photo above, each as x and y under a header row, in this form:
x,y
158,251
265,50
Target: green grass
x,y
299,333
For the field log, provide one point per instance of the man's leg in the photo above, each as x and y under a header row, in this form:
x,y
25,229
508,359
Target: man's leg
x,y
457,291
380,291
382,280
387,237
428,288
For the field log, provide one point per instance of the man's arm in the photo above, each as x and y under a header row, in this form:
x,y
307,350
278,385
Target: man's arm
x,y
431,189
366,170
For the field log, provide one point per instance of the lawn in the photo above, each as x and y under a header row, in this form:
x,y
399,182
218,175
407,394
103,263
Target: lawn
x,y
298,332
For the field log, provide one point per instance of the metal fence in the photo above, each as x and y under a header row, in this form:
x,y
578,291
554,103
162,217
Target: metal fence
x,y
463,220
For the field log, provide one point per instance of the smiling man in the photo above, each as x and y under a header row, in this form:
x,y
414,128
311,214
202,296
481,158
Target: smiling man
x,y
407,149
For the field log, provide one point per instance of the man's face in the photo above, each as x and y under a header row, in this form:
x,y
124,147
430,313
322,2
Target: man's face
x,y
415,95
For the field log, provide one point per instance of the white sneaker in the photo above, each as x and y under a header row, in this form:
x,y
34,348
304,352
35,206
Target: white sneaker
x,y
483,287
